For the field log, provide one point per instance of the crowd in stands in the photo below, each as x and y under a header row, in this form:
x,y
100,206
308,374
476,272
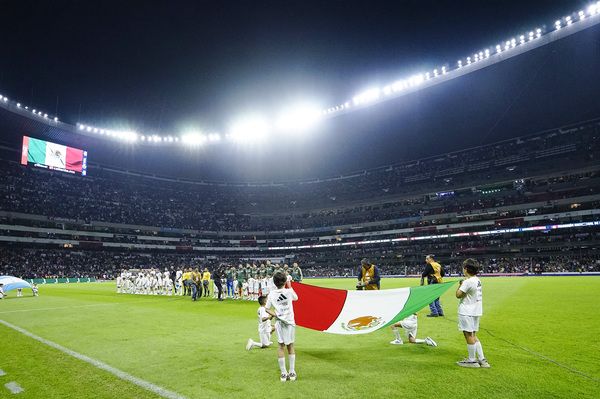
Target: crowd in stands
x,y
42,193
564,165
109,196
47,263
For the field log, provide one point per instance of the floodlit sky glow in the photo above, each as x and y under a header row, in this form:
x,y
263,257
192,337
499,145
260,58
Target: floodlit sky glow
x,y
302,118
329,89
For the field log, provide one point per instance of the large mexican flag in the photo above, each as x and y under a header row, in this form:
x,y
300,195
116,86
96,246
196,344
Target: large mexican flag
x,y
52,154
360,312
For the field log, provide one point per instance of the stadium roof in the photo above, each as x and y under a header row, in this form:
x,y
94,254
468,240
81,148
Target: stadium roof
x,y
322,58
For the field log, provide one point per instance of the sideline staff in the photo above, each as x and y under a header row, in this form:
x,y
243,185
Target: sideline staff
x,y
368,276
433,272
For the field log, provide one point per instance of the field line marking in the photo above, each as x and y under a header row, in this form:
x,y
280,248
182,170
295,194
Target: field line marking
x,y
76,306
534,353
542,356
165,393
14,387
2,373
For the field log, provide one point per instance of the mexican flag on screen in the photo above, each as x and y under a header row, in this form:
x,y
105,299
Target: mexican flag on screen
x,y
360,312
52,154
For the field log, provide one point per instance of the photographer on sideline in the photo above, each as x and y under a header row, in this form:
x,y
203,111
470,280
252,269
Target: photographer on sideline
x,y
368,276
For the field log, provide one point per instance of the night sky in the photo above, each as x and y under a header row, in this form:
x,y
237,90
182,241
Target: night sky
x,y
175,66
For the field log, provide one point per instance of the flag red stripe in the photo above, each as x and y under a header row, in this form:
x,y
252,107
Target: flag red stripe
x,y
74,159
317,308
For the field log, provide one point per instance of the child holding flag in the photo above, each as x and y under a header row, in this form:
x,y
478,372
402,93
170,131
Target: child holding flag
x,y
470,309
265,329
285,325
409,324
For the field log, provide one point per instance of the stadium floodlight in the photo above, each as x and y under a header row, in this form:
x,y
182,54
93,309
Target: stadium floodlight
x,y
250,128
143,138
95,130
581,15
299,118
46,116
367,96
40,113
397,86
568,19
592,9
19,105
33,110
56,119
557,24
522,39
194,138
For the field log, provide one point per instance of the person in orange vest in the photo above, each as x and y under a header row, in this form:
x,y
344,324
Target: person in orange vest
x,y
368,276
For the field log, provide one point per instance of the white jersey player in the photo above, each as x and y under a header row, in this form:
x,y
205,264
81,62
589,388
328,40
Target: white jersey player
x,y
245,291
119,282
410,326
265,329
168,286
235,294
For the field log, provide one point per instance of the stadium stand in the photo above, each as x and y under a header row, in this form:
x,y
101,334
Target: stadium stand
x,y
65,225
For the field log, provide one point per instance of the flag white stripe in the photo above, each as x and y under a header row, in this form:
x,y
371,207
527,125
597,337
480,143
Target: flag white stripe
x,y
382,306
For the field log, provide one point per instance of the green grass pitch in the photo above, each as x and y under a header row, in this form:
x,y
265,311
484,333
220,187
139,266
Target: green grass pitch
x,y
197,349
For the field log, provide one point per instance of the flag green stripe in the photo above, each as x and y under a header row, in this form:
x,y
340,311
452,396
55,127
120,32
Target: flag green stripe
x,y
420,297
37,151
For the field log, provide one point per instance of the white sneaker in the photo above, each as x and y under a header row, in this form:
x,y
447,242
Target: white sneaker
x,y
249,344
430,342
283,378
466,362
396,342
483,363
293,376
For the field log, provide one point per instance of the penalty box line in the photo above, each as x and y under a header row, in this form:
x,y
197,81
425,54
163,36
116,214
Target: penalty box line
x,y
165,393
533,353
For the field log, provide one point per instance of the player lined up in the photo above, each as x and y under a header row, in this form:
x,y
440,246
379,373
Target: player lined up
x,y
246,283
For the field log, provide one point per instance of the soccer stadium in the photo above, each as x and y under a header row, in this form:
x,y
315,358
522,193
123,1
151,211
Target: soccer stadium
x,y
134,248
